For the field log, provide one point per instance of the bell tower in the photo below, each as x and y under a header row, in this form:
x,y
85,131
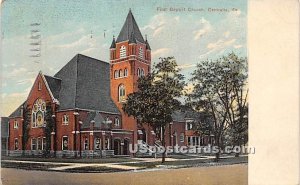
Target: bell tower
x,y
130,58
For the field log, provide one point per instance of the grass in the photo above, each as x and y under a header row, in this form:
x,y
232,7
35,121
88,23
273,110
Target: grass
x,y
29,166
190,163
94,169
72,160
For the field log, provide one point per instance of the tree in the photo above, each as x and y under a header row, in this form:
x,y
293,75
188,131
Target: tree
x,y
49,128
157,97
217,93
25,126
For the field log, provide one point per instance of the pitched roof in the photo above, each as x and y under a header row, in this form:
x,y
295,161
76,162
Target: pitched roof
x,y
178,116
130,26
147,45
17,112
113,44
54,85
4,126
132,38
93,116
85,84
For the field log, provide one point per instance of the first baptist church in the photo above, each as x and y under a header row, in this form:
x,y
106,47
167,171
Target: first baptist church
x,y
85,98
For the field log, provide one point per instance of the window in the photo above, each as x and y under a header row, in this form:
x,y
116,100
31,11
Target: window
x,y
33,144
116,74
39,144
141,53
138,72
142,72
86,144
188,125
16,144
121,91
40,86
107,120
120,73
65,142
123,52
38,113
182,137
65,119
117,122
189,141
16,124
44,143
106,144
97,143
125,72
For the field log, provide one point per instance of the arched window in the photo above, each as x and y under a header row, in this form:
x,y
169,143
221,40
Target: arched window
x,y
125,72
142,72
121,94
107,120
141,53
138,72
117,122
120,73
123,52
116,74
38,113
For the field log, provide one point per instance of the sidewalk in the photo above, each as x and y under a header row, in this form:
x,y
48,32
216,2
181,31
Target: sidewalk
x,y
116,165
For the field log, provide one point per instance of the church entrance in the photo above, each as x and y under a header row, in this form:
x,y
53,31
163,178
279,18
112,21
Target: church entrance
x,y
126,147
117,146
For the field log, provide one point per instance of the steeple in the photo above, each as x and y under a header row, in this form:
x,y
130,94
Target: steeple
x,y
147,45
132,38
113,44
130,26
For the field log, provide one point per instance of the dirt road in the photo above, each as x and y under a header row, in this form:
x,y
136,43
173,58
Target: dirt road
x,y
220,175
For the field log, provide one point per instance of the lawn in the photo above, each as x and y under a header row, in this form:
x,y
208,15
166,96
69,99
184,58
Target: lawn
x,y
190,163
29,166
72,160
94,169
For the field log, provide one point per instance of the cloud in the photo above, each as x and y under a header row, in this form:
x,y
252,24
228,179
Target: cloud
x,y
226,34
185,66
238,46
189,88
161,52
205,28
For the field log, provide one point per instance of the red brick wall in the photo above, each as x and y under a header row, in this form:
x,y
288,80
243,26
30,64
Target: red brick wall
x,y
15,133
130,81
34,94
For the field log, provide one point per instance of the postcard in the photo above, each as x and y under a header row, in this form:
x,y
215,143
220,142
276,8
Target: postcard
x,y
125,92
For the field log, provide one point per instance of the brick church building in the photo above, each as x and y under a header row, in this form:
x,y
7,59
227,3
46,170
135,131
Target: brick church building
x,y
84,100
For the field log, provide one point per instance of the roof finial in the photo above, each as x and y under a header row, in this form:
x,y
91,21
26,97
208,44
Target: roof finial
x,y
129,9
146,36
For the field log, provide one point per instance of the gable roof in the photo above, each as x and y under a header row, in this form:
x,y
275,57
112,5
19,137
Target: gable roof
x,y
17,112
113,43
130,27
178,116
54,85
85,84
93,116
4,126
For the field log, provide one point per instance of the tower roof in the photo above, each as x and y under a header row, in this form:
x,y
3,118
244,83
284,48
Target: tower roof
x,y
132,38
113,44
147,45
130,26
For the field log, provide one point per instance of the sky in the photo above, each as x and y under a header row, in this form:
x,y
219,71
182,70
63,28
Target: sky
x,y
87,27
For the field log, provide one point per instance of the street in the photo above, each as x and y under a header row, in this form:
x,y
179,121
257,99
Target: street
x,y
217,175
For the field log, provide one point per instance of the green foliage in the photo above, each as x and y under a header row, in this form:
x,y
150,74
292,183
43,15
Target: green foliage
x,y
220,92
157,95
50,123
25,126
